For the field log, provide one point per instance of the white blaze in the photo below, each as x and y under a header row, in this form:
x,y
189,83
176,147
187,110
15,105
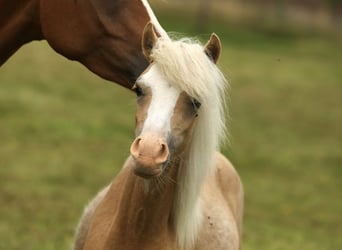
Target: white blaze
x,y
163,102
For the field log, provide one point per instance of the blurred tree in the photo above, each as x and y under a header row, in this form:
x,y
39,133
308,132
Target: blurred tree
x,y
203,14
272,10
335,7
281,10
336,12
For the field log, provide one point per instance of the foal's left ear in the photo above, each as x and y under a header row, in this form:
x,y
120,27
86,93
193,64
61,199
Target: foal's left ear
x,y
213,48
149,39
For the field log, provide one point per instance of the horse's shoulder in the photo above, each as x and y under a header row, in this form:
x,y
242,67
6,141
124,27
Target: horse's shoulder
x,y
226,174
228,180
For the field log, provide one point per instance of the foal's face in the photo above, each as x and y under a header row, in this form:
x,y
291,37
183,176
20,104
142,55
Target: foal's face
x,y
165,115
164,120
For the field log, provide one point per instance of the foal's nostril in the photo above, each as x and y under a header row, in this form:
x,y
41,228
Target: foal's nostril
x,y
162,154
163,149
135,147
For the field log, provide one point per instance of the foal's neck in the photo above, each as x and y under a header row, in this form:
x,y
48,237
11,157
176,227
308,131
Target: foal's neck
x,y
147,203
135,214
19,24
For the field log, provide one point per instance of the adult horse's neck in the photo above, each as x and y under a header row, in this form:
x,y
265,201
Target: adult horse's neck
x,y
19,24
103,35
133,216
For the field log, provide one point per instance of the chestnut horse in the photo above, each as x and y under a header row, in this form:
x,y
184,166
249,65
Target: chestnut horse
x,y
174,191
103,35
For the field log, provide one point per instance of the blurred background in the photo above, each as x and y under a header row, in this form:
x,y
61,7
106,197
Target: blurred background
x,y
65,133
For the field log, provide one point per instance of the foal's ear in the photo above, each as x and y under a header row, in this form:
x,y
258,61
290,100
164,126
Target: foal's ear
x,y
213,48
149,39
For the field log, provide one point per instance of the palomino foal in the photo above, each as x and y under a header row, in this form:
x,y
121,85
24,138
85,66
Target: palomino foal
x,y
174,191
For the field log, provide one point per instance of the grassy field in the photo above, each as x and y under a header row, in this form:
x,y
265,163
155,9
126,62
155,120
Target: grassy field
x,y
64,133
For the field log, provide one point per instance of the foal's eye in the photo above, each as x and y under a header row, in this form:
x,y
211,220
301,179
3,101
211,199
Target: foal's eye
x,y
196,104
138,90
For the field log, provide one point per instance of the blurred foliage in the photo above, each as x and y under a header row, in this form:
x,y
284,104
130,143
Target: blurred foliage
x,y
278,15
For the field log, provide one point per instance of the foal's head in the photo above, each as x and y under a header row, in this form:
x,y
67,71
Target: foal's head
x,y
168,105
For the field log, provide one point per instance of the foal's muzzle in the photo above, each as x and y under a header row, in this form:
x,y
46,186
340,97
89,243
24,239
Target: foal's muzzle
x,y
150,152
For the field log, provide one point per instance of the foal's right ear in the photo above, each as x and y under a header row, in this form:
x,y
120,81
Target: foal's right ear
x,y
213,48
149,39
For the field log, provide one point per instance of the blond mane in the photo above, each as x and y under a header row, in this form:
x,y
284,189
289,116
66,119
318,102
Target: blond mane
x,y
187,67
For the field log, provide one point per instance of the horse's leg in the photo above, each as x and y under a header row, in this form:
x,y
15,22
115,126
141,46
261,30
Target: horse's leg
x,y
85,221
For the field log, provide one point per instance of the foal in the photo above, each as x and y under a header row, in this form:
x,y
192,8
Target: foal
x,y
174,191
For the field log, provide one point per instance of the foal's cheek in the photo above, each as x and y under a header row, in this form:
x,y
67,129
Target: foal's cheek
x,y
182,121
177,138
180,131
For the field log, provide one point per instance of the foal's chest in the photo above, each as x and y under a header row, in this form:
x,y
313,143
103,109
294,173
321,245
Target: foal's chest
x,y
219,229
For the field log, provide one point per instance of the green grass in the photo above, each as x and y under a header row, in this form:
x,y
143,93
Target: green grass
x,y
64,133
